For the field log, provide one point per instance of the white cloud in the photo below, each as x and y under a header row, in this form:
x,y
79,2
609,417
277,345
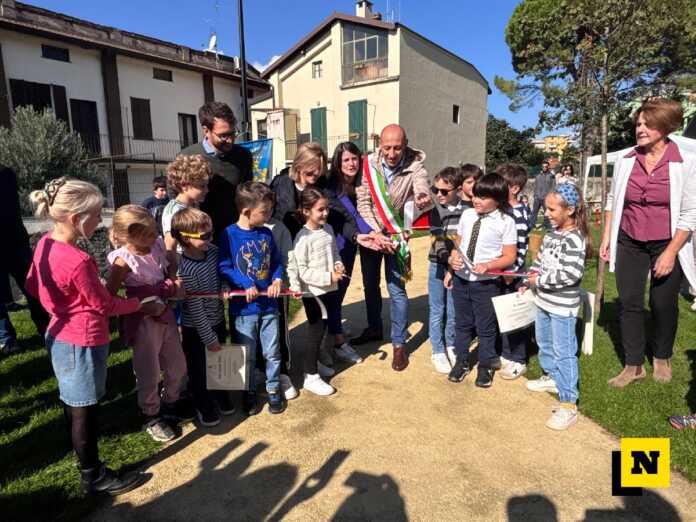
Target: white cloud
x,y
261,66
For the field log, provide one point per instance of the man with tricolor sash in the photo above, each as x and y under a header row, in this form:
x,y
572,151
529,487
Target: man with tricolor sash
x,y
394,187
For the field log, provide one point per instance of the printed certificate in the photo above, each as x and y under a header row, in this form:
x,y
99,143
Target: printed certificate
x,y
227,368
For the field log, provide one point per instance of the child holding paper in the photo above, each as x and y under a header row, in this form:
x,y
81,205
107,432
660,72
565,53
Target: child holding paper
x,y
513,359
559,268
487,242
202,319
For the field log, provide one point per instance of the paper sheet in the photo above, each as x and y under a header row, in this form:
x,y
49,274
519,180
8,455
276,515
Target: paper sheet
x,y
588,299
227,368
514,311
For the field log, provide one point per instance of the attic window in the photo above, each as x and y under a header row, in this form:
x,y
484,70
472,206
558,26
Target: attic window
x,y
162,74
55,53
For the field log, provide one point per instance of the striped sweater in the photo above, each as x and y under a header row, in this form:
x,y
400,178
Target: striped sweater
x,y
201,275
520,213
444,221
560,265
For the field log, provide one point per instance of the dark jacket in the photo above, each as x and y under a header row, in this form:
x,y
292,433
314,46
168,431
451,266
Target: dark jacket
x,y
14,234
229,171
346,222
287,200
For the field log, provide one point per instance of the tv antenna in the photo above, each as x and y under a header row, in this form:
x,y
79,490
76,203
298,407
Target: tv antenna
x,y
212,46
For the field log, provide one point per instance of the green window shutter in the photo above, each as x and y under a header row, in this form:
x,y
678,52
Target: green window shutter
x,y
357,123
319,126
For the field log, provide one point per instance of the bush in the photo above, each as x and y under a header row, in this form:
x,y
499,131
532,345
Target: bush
x,y
38,147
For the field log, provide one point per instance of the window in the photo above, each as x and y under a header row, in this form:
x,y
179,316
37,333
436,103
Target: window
x,y
455,114
316,69
40,96
162,74
55,53
365,51
86,123
262,129
187,129
142,123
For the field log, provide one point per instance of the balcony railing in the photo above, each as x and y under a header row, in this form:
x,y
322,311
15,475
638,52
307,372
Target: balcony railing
x,y
103,146
365,71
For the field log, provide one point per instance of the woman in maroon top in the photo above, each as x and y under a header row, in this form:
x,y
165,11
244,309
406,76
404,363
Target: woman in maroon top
x,y
650,214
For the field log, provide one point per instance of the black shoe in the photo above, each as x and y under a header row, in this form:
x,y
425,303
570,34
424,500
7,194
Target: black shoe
x,y
179,411
367,336
496,364
461,369
251,404
276,402
484,377
104,481
208,417
225,404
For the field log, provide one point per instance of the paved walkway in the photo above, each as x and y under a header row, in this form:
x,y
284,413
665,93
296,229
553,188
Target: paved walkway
x,y
396,446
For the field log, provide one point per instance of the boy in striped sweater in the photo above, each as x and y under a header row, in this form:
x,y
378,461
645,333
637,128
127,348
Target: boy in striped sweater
x,y
202,319
513,359
444,219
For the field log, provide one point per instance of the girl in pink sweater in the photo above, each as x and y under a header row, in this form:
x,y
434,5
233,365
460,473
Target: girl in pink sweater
x,y
66,281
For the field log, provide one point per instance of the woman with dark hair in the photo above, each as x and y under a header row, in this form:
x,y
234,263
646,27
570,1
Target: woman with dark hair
x,y
649,219
566,175
349,228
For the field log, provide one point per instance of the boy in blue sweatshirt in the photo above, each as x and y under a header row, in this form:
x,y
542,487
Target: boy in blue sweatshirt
x,y
250,260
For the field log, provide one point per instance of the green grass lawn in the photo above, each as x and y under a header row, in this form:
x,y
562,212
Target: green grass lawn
x,y
639,410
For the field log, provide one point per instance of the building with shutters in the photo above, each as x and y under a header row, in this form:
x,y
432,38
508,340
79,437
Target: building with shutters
x,y
354,74
133,99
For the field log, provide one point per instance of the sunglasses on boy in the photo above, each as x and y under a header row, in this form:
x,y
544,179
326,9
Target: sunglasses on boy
x,y
443,192
205,236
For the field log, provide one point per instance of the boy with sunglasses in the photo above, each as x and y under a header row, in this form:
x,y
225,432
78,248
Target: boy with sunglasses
x,y
444,218
202,319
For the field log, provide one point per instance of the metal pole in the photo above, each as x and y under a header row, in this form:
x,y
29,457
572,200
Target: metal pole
x,y
242,65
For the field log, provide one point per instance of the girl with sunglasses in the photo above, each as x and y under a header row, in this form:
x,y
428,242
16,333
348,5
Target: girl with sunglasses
x,y
141,265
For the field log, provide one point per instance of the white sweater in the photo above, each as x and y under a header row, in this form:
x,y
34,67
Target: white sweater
x,y
313,258
682,204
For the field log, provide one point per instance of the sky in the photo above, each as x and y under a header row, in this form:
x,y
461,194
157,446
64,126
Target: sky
x,y
472,29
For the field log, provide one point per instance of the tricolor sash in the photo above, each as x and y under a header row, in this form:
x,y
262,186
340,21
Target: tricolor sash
x,y
390,218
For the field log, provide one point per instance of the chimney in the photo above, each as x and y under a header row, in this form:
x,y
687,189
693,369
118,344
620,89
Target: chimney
x,y
363,9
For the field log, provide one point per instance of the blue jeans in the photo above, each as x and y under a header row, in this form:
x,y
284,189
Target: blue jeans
x,y
370,262
250,329
7,331
558,349
80,371
441,309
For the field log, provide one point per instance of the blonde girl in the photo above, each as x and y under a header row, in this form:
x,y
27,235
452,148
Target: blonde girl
x,y
557,274
66,281
140,264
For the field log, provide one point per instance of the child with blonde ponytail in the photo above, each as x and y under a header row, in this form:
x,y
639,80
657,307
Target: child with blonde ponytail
x,y
66,281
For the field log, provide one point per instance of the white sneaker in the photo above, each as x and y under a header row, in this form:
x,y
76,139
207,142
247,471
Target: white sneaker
x,y
693,305
441,363
542,384
562,419
451,355
314,383
348,353
325,371
512,370
288,389
504,362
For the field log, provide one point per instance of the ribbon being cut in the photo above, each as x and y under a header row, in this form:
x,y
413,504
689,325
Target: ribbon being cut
x,y
394,225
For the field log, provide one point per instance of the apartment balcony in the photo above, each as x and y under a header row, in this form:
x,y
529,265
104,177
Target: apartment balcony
x,y
365,71
127,147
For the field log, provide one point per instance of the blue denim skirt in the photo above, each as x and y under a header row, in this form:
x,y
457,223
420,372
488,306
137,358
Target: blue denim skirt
x,y
80,370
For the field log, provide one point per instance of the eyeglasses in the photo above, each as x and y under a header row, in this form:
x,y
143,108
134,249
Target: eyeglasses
x,y
205,236
443,192
226,137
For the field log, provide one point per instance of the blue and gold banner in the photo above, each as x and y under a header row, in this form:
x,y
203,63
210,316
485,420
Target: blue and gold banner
x,y
261,151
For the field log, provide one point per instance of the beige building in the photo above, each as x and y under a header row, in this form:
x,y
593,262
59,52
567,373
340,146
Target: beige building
x,y
352,75
553,144
133,98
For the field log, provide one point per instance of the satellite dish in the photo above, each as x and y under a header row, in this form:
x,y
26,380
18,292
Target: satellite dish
x,y
212,44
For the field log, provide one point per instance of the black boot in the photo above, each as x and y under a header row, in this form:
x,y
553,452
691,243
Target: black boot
x,y
104,481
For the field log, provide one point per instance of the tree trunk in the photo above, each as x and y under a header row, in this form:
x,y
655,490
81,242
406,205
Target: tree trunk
x,y
601,265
